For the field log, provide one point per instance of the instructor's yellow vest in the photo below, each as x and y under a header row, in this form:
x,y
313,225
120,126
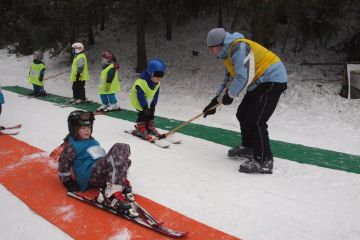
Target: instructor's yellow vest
x,y
148,92
84,76
114,85
34,75
263,58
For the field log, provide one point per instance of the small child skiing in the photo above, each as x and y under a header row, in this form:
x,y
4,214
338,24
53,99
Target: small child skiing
x,y
92,167
36,74
79,73
144,97
109,83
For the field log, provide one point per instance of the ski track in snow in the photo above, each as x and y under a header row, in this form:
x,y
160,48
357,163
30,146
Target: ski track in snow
x,y
197,179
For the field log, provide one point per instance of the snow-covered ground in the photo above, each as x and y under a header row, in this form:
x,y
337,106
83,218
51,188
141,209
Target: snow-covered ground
x,y
196,178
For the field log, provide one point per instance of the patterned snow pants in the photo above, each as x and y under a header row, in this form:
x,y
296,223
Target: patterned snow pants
x,y
112,167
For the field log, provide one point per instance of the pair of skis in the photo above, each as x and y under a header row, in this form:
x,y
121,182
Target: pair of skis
x,y
145,218
6,132
163,142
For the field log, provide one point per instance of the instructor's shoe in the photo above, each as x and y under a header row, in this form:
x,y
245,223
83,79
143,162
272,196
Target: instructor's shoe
x,y
253,166
241,152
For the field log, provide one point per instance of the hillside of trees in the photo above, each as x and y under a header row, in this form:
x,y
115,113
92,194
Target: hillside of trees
x,y
53,25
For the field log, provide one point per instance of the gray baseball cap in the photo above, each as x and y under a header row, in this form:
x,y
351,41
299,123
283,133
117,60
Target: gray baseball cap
x,y
216,37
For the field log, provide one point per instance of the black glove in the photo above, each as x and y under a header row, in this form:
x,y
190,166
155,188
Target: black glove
x,y
227,100
152,108
77,77
71,186
213,102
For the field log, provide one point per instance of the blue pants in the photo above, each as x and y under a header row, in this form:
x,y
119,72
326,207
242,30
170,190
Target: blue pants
x,y
108,98
38,89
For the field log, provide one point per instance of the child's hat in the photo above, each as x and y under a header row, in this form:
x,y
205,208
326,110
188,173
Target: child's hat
x,y
216,37
156,67
79,118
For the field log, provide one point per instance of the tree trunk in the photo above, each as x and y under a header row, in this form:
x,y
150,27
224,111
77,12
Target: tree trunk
x,y
102,17
91,39
168,21
220,22
140,36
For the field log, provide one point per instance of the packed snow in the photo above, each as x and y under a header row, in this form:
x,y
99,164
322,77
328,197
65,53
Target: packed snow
x,y
297,201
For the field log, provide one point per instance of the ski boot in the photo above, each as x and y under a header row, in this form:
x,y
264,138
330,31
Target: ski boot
x,y
114,198
101,108
141,131
254,166
127,191
152,130
72,101
112,107
241,152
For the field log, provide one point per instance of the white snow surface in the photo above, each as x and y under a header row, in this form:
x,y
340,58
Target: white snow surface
x,y
195,178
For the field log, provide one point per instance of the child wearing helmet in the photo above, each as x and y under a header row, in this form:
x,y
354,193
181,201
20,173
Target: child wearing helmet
x,y
79,73
36,74
93,167
144,97
109,83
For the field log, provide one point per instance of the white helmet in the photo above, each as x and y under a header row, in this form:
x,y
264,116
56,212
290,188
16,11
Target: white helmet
x,y
78,46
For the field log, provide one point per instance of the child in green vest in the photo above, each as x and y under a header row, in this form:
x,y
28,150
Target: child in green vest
x,y
36,74
79,73
109,83
144,97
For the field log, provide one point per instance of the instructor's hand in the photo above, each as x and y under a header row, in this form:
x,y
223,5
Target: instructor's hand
x,y
227,100
206,110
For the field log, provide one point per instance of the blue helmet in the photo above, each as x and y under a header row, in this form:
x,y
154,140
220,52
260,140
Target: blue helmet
x,y
156,67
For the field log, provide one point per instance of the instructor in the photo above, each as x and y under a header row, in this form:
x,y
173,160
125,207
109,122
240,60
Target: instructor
x,y
248,65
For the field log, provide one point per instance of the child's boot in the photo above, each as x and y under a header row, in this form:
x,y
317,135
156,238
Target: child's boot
x,y
101,108
151,129
113,197
140,130
112,107
127,191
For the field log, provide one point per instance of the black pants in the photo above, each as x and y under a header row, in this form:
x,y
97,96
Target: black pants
x,y
253,113
78,88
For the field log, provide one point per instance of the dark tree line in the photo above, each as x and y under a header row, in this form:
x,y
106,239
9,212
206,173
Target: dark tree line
x,y
53,25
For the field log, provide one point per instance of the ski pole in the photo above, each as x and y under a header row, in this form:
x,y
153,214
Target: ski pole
x,y
172,131
58,74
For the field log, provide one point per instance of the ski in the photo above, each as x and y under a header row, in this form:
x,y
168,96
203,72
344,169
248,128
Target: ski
x,y
13,127
144,218
158,142
9,133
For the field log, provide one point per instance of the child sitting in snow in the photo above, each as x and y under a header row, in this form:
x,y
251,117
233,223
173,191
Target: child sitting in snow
x,y
144,96
92,167
109,83
36,74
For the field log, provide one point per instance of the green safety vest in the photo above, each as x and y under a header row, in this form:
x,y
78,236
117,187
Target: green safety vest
x,y
148,93
34,75
114,85
84,76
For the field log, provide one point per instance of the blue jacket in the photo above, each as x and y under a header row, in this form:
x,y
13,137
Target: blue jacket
x,y
140,93
2,100
87,152
274,73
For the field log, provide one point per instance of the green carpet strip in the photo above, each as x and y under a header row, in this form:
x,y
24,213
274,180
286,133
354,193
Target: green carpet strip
x,y
294,152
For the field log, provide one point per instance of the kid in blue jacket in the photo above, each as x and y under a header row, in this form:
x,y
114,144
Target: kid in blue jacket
x,y
144,97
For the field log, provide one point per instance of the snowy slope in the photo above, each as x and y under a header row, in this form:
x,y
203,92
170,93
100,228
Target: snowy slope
x,y
196,178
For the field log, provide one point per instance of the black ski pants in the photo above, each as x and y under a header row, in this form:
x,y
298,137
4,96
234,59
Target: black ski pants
x,y
78,88
253,113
